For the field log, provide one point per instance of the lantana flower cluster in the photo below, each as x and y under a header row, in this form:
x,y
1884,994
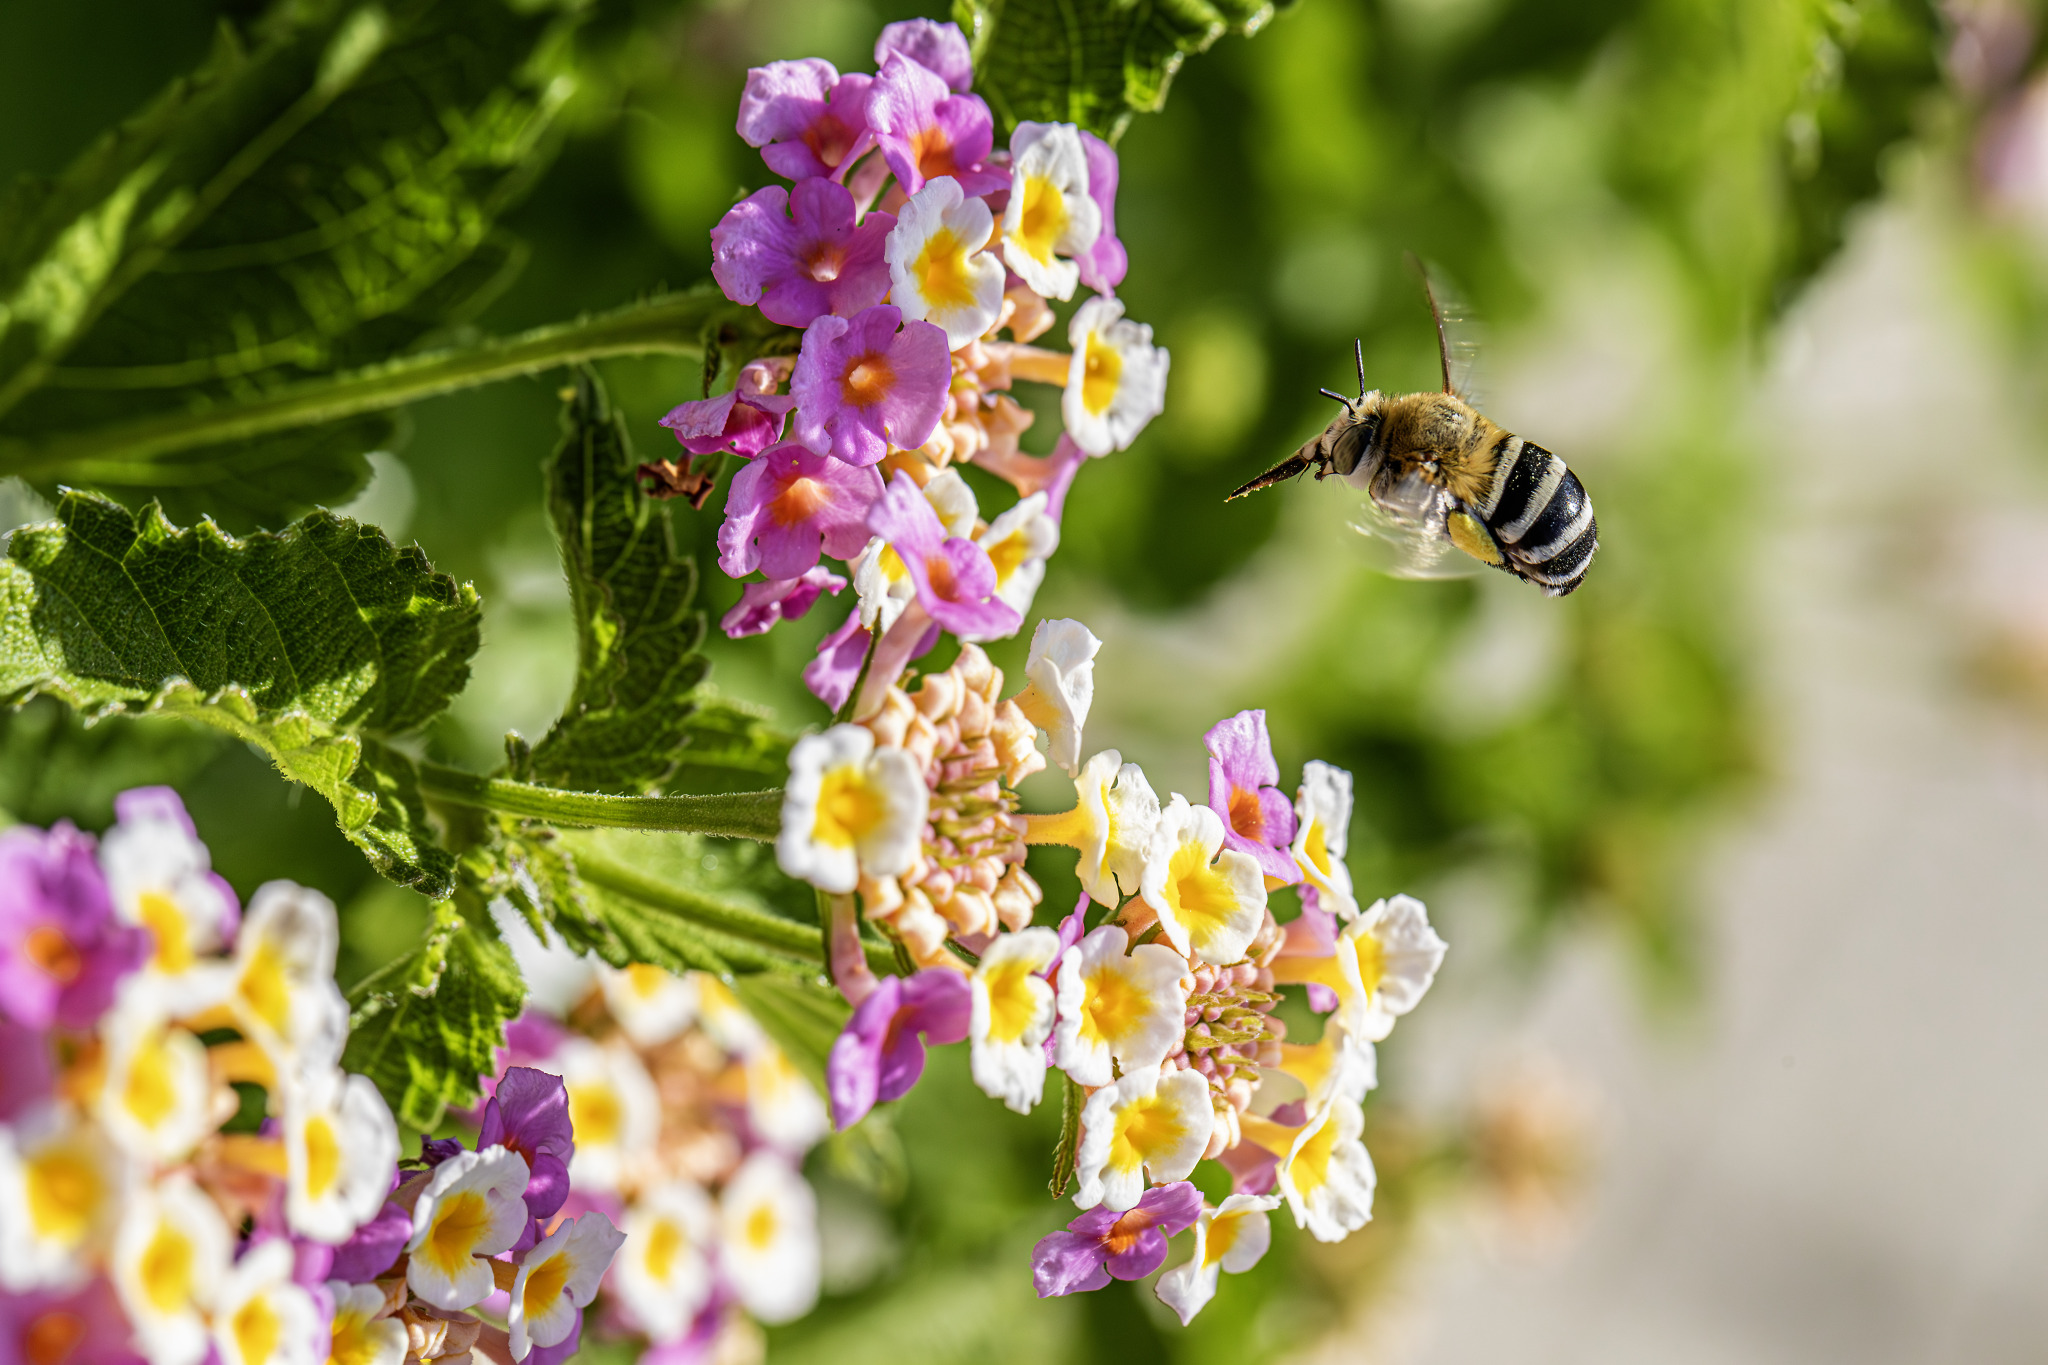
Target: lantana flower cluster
x,y
692,1128
906,247
1154,996
149,1212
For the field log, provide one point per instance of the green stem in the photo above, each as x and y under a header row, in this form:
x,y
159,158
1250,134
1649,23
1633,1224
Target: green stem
x,y
671,323
725,917
733,815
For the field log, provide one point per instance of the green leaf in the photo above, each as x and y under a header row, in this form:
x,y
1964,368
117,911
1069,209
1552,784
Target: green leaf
x,y
314,197
731,745
427,1026
1091,62
637,632
311,643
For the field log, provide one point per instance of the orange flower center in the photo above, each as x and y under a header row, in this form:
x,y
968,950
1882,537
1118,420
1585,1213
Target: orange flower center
x,y
829,140
825,262
1246,816
53,953
934,152
939,570
51,1338
1124,1232
798,502
867,381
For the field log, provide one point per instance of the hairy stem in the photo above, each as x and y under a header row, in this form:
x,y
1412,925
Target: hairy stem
x,y
733,815
709,912
122,451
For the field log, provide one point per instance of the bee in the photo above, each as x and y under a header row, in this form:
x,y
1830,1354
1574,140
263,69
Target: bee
x,y
1438,476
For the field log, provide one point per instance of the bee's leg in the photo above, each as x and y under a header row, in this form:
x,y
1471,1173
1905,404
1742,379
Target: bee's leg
x,y
1288,468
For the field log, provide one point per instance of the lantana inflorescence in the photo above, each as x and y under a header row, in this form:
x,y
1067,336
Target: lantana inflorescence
x,y
142,1220
921,261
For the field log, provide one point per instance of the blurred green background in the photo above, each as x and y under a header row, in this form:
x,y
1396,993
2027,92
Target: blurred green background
x,y
1650,181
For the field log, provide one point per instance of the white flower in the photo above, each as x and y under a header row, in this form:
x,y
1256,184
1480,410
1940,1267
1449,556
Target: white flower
x,y
1322,825
1116,381
340,1144
170,1256
1389,956
284,997
1050,214
1211,900
1114,815
935,272
261,1317
1341,1065
1129,1008
720,1014
768,1238
614,1110
157,1098
61,1190
883,585
1060,687
360,1336
473,1206
664,1275
850,808
953,499
160,876
559,1277
1327,1174
782,1104
1151,1123
1018,544
650,1004
1233,1237
1013,1014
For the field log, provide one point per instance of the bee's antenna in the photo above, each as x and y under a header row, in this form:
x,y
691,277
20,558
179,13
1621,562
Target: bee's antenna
x,y
1327,393
1360,344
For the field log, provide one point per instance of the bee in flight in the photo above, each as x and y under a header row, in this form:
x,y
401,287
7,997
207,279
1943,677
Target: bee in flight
x,y
1438,475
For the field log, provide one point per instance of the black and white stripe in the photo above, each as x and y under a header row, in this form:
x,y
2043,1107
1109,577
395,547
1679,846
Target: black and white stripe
x,y
1539,512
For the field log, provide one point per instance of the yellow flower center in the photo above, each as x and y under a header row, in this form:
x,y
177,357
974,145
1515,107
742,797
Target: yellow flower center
x,y
1372,962
544,1284
849,808
1010,1006
1102,371
323,1156
1315,847
264,988
760,1231
162,917
459,1224
645,981
1198,893
1114,1007
1009,553
941,273
595,1114
1310,1169
665,1242
1144,1128
354,1342
64,1191
1044,218
149,1093
257,1330
166,1269
1223,1231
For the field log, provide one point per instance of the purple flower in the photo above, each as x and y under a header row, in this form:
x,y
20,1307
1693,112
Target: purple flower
x,y
1102,265
924,130
787,505
62,951
530,1115
27,1075
831,675
375,1245
798,253
865,383
761,605
939,48
954,577
879,1056
744,423
1100,1245
806,118
65,1327
1244,788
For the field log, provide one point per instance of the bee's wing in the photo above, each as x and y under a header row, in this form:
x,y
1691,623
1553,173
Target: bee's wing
x,y
1403,525
1459,334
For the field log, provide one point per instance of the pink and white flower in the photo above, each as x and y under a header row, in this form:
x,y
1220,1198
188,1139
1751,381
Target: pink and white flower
x,y
866,383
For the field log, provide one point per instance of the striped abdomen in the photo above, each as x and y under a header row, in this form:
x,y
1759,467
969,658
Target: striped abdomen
x,y
1539,513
